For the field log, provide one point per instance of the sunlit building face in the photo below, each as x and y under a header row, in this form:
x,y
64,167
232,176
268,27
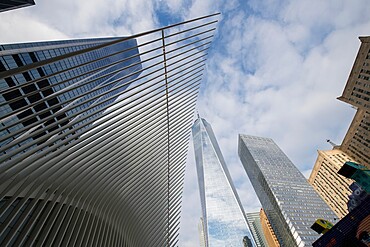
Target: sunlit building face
x,y
224,220
290,202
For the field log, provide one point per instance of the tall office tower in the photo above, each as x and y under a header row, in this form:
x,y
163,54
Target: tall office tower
x,y
331,186
254,223
202,239
46,98
357,93
268,232
290,202
225,223
356,143
6,5
95,134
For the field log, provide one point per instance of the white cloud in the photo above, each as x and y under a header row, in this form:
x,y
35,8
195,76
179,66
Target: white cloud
x,y
77,19
277,74
21,27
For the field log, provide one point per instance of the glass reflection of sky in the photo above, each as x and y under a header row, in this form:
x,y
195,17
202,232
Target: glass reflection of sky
x,y
290,202
224,218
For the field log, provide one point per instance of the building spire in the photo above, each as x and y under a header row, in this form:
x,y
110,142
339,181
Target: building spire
x,y
331,143
335,146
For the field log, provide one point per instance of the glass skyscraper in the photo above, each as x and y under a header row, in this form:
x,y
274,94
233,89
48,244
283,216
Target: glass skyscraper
x,y
202,237
289,201
53,95
224,223
254,223
94,136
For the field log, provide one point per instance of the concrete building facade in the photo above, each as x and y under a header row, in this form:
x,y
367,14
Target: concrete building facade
x,y
356,142
254,223
357,93
267,230
331,186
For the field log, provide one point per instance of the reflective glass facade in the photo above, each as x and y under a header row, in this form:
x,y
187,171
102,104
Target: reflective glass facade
x,y
202,240
66,93
94,136
224,219
290,202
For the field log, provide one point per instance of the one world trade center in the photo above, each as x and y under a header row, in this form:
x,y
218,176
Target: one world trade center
x,y
224,220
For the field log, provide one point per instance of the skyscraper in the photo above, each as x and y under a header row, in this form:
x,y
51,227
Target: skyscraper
x,y
268,232
202,237
331,186
357,89
101,161
46,98
225,223
356,143
6,5
357,93
289,201
254,223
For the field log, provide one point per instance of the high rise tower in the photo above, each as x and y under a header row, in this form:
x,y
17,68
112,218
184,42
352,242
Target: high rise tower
x,y
332,187
356,143
268,232
73,91
202,237
289,201
255,226
224,219
94,136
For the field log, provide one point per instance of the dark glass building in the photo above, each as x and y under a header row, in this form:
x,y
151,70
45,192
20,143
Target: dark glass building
x,y
6,5
58,93
289,201
94,136
352,230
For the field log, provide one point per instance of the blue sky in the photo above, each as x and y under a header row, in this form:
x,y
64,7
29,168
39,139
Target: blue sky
x,y
275,69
